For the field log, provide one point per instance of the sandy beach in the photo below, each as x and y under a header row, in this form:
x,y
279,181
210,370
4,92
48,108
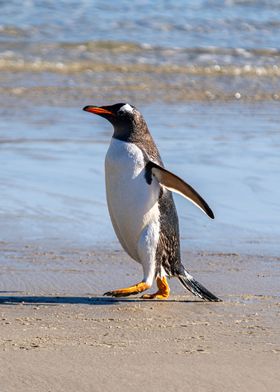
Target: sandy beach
x,y
66,336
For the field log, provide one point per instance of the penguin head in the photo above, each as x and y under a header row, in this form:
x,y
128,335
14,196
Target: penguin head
x,y
117,114
124,117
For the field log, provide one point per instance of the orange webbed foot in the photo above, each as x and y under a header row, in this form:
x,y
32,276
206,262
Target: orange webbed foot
x,y
132,290
163,290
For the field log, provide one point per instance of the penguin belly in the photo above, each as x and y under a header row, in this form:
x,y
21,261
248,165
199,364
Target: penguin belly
x,y
132,202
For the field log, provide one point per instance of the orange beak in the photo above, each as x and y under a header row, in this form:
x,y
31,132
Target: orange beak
x,y
97,110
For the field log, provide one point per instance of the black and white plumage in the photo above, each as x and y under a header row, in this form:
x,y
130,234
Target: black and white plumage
x,y
141,205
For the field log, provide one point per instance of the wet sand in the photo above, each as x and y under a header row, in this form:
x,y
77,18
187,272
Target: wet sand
x,y
57,331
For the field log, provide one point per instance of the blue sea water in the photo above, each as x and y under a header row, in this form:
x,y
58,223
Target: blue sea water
x,y
204,73
184,24
52,175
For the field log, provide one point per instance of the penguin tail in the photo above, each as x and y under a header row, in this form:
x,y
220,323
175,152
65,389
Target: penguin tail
x,y
197,288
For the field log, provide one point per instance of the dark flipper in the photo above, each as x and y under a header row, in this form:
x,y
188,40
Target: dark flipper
x,y
176,184
197,288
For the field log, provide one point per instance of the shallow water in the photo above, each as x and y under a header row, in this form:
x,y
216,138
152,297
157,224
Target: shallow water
x,y
206,77
52,176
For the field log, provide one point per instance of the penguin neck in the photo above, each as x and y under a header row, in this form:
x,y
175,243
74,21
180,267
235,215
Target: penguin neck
x,y
124,132
139,134
132,131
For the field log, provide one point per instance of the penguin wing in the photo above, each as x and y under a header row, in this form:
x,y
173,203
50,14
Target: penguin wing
x,y
176,184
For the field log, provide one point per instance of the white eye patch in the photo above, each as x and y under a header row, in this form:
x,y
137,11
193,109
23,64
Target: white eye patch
x,y
126,108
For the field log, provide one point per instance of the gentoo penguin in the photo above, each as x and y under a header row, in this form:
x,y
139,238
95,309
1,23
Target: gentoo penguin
x,y
141,206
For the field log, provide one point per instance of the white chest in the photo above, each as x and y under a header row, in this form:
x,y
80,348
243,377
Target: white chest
x,y
132,202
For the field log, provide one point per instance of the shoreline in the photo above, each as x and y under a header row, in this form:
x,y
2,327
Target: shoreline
x,y
40,267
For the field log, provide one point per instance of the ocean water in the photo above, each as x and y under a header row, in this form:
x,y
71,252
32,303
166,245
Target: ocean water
x,y
204,73
179,50
192,24
52,174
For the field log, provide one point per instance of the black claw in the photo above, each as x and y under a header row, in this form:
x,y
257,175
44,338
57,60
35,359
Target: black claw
x,y
114,294
108,294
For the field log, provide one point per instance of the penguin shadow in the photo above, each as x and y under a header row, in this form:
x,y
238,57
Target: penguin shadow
x,y
78,300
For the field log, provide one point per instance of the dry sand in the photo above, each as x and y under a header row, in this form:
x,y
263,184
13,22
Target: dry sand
x,y
57,336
